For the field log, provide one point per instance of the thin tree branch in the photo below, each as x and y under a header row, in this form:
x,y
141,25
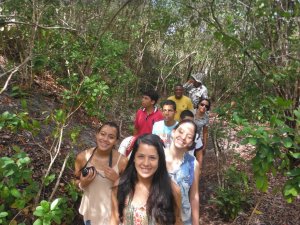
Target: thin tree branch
x,y
38,25
170,73
254,210
12,73
59,177
57,151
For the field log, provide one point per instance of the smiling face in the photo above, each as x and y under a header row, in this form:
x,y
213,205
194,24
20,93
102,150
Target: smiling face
x,y
146,161
178,92
106,138
183,136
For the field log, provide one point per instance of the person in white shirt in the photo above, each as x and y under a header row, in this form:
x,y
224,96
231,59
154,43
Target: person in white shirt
x,y
164,127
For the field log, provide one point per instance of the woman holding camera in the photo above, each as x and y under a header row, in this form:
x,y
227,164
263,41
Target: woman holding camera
x,y
96,170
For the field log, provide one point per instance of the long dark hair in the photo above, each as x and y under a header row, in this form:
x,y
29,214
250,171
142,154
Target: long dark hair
x,y
161,202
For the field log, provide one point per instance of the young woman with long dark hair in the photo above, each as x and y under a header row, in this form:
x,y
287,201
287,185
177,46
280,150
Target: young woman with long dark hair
x,y
146,194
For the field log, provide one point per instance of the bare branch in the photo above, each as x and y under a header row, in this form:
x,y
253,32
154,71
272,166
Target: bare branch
x,y
56,151
176,64
39,26
12,73
59,177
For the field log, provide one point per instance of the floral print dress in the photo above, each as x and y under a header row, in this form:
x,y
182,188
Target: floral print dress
x,y
136,215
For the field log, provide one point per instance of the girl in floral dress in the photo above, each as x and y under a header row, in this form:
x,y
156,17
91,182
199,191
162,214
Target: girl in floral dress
x,y
145,194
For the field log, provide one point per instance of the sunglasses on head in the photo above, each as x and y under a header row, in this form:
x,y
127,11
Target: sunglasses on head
x,y
206,106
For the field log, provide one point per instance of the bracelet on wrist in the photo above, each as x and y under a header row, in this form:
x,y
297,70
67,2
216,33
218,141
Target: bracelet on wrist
x,y
80,187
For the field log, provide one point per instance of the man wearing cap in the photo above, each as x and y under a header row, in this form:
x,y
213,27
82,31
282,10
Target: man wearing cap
x,y
196,89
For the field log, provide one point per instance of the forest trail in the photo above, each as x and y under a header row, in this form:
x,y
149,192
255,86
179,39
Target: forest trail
x,y
208,183
272,210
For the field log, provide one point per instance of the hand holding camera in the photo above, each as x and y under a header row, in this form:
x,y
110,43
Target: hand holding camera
x,y
85,170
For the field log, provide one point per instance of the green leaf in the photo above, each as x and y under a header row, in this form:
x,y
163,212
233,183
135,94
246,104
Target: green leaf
x,y
297,113
296,155
47,220
49,179
6,161
39,211
3,214
45,205
16,193
293,173
8,173
290,190
287,142
23,161
261,182
38,222
19,204
252,141
55,203
57,219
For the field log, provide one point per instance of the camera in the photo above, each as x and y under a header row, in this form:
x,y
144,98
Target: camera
x,y
85,170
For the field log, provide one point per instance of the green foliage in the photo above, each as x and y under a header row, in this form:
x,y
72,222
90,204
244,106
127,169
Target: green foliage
x,y
234,195
277,148
49,179
59,210
89,94
19,121
49,212
17,92
74,134
17,187
2,216
73,192
59,116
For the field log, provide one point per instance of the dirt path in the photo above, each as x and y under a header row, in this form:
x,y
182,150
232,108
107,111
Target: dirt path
x,y
208,183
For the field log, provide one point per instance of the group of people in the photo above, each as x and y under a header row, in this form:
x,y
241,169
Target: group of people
x,y
153,178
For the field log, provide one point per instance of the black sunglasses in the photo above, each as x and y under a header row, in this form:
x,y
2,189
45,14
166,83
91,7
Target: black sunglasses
x,y
206,106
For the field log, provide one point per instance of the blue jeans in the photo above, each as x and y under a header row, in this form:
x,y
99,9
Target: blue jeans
x,y
87,222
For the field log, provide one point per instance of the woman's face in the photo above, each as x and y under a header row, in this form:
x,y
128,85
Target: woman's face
x,y
183,136
146,161
203,105
106,138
